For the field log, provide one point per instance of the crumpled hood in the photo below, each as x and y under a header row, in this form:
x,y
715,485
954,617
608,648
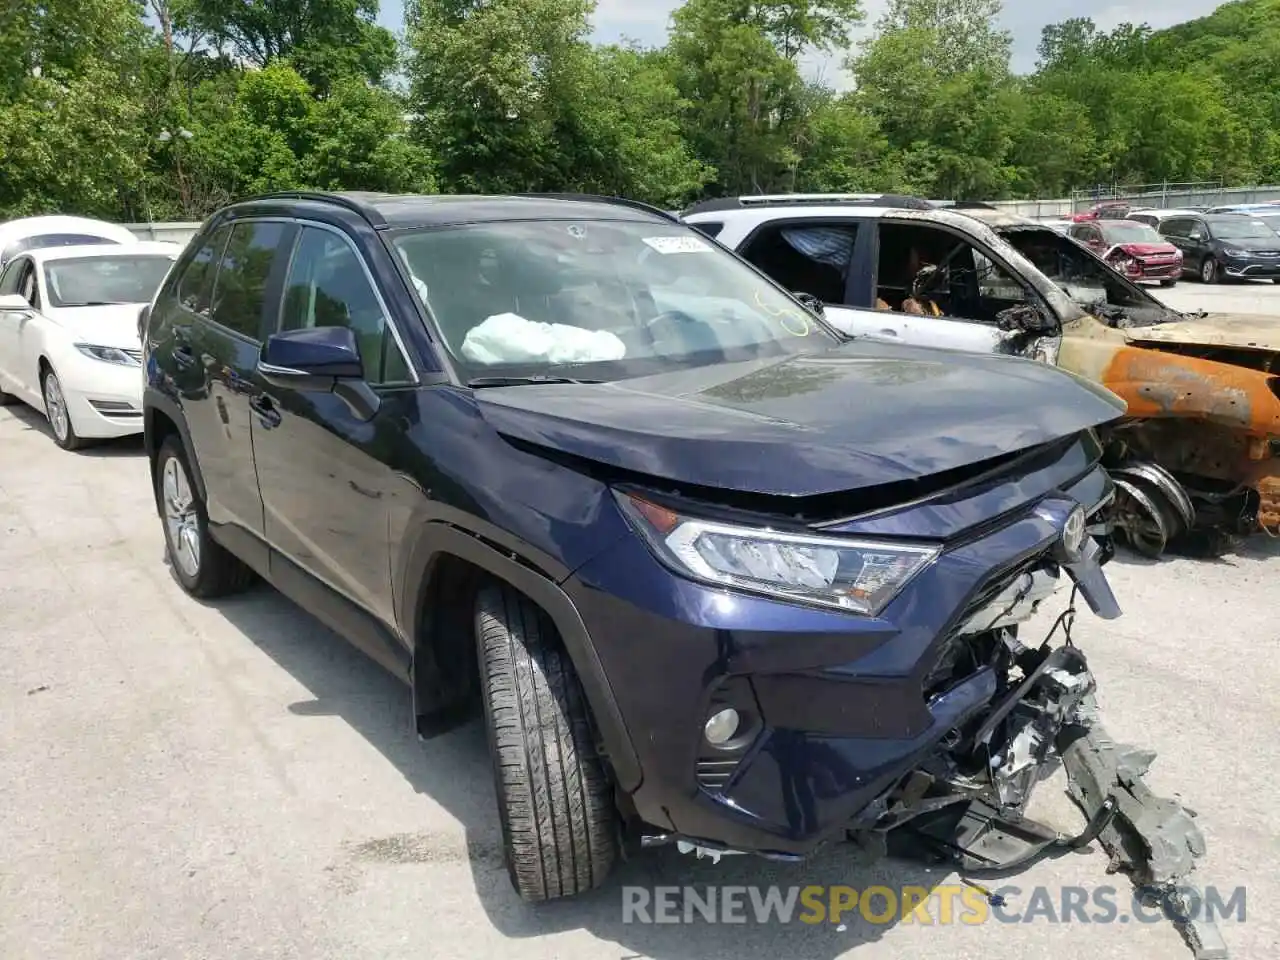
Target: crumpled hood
x,y
857,416
1243,330
1147,249
110,326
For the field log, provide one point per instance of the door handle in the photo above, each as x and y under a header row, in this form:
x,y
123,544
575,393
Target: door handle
x,y
266,409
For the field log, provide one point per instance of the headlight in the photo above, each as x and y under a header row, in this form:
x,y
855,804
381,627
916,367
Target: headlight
x,y
860,576
1233,252
107,354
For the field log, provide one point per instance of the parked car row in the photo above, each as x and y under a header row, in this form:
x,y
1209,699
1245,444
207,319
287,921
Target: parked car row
x,y
70,291
728,540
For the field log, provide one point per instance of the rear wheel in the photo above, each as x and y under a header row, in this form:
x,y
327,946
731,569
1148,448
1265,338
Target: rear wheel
x,y
1209,270
559,825
202,566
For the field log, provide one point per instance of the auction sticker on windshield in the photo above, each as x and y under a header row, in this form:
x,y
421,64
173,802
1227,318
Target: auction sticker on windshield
x,y
677,244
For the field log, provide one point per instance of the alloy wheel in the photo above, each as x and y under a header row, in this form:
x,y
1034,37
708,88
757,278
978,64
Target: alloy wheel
x,y
1209,270
182,523
55,407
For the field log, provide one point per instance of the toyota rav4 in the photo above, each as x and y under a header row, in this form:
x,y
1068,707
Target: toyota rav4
x,y
712,573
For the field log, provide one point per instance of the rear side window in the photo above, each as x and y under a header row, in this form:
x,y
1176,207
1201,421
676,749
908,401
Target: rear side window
x,y
1175,228
806,258
9,279
239,291
196,283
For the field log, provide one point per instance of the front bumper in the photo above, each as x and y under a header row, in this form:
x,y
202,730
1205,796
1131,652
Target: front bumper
x,y
835,708
103,399
1158,270
1252,268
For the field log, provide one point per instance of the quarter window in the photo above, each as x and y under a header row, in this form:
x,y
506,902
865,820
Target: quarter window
x,y
240,289
327,286
196,284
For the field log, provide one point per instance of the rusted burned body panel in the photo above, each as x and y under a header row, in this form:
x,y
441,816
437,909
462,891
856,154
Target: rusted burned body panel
x,y
1201,399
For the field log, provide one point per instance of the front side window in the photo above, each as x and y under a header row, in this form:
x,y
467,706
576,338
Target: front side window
x,y
97,281
327,286
598,299
930,271
10,278
239,292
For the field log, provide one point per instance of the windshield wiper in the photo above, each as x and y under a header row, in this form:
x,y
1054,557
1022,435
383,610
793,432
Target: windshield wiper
x,y
521,381
93,303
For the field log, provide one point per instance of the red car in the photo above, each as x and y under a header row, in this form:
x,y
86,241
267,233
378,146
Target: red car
x,y
1107,210
1131,248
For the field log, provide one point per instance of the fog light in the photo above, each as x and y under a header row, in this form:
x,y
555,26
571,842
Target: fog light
x,y
721,727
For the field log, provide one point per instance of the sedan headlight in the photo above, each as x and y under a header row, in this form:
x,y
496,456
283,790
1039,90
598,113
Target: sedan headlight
x,y
1233,252
108,354
860,576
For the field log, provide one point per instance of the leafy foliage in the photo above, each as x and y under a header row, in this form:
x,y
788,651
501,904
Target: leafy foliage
x,y
157,109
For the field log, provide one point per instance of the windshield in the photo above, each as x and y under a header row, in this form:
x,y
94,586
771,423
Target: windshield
x,y
1084,277
1126,232
1241,228
95,281
600,300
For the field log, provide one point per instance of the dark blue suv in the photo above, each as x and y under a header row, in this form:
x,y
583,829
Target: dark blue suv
x,y
712,572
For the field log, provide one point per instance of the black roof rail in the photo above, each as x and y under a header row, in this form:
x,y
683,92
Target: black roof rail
x,y
892,200
599,198
972,205
351,201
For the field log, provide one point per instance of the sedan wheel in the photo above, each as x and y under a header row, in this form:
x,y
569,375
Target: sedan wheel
x,y
1209,270
55,408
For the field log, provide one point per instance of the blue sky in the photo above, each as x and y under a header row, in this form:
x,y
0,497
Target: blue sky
x,y
646,21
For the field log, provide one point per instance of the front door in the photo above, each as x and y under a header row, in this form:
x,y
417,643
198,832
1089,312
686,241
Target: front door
x,y
18,278
324,469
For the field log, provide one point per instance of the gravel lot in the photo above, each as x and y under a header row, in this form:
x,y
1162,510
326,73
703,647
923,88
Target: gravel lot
x,y
231,780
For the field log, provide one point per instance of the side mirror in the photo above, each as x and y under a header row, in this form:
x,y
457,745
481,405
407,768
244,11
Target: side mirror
x,y
143,315
14,301
1026,318
319,360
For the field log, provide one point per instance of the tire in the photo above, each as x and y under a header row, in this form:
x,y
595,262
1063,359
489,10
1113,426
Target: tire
x,y
6,398
555,802
1168,283
55,409
1209,270
1273,280
203,567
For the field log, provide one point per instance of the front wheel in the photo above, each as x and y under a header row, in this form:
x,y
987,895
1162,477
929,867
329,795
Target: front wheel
x,y
202,566
1168,283
55,408
1209,270
555,803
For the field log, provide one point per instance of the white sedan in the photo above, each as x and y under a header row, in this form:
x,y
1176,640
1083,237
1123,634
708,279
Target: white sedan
x,y
69,334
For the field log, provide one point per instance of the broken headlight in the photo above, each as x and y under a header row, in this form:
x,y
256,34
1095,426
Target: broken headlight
x,y
860,576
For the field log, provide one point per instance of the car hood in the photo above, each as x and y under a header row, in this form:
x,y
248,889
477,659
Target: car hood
x,y
1243,330
109,326
1251,244
1146,249
861,415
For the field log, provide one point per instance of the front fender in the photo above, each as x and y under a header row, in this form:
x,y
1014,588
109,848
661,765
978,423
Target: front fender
x,y
155,401
439,539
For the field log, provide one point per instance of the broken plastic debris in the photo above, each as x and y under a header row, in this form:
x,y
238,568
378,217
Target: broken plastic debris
x,y
510,338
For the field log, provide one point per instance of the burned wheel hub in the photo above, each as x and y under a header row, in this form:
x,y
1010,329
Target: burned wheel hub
x,y
1152,509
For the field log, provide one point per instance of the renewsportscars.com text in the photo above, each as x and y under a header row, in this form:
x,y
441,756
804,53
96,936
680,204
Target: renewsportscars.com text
x,y
943,904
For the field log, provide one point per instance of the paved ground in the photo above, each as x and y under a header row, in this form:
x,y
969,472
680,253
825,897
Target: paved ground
x,y
231,781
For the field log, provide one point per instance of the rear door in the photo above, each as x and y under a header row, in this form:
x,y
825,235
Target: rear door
x,y
219,350
326,474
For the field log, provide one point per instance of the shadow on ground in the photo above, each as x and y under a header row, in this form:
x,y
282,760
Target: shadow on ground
x,y
32,419
455,771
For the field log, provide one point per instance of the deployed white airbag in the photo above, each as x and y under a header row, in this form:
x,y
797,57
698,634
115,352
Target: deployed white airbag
x,y
510,338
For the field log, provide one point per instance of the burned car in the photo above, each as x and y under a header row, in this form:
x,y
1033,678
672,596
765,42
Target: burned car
x,y
712,572
1196,456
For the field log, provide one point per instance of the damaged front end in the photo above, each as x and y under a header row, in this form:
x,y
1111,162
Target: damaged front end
x,y
965,805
